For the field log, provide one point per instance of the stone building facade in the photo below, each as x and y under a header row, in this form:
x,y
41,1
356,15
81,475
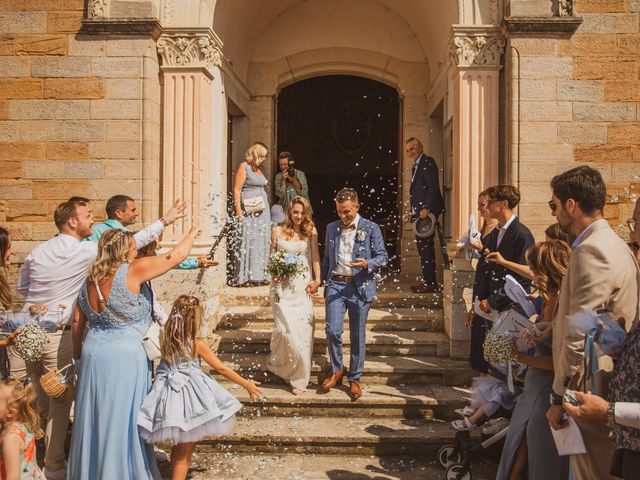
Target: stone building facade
x,y
158,99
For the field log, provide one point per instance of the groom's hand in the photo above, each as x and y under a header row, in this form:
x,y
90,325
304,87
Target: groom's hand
x,y
359,263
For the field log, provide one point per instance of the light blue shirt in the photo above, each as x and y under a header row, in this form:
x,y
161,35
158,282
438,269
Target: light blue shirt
x,y
579,238
143,238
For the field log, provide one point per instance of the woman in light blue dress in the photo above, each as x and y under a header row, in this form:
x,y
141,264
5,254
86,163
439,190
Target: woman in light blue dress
x,y
114,373
251,244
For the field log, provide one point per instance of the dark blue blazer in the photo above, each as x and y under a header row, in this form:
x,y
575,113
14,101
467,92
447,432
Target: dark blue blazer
x,y
517,239
368,245
425,187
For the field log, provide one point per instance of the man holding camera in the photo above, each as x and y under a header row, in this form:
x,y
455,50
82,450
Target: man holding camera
x,y
290,182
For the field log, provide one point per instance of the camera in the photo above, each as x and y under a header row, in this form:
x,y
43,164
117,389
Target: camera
x,y
290,170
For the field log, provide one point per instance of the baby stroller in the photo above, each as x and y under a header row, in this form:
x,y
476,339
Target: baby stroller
x,y
456,457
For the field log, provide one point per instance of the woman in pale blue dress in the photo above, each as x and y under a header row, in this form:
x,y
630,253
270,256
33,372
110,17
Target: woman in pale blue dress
x,y
114,373
251,243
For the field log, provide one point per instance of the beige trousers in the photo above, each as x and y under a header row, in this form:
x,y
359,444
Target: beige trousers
x,y
54,412
596,462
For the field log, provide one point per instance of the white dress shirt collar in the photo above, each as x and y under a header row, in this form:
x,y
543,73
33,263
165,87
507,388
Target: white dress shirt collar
x,y
502,230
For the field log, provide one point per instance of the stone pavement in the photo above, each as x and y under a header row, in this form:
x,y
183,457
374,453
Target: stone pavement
x,y
411,388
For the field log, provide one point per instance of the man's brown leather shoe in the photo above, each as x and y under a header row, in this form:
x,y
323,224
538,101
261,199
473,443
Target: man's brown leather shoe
x,y
355,390
333,379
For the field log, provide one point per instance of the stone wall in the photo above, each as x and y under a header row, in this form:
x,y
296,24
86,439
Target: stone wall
x,y
575,100
79,115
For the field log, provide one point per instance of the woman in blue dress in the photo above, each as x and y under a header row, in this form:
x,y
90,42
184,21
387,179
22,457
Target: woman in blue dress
x,y
251,243
114,372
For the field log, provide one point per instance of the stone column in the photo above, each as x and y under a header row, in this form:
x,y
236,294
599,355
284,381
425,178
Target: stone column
x,y
475,53
190,69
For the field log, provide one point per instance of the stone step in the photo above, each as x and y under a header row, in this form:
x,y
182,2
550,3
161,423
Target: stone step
x,y
379,343
291,466
406,401
344,436
419,318
378,369
389,295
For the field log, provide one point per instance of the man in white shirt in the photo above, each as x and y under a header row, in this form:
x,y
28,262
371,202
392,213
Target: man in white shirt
x,y
53,274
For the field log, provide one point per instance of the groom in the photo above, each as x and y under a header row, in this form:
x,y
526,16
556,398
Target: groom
x,y
353,252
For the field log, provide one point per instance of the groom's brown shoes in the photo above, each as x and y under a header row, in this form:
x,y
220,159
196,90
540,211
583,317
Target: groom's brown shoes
x,y
355,390
333,379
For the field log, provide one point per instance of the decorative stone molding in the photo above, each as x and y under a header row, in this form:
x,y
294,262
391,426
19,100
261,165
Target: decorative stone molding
x,y
542,25
477,48
190,48
119,26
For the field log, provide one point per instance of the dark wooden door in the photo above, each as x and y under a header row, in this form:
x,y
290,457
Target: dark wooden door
x,y
343,131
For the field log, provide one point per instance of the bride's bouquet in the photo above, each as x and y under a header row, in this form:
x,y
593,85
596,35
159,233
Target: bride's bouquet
x,y
283,265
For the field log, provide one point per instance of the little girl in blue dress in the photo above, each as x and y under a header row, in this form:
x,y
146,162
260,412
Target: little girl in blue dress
x,y
185,404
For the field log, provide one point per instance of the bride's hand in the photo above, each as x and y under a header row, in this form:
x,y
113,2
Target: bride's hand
x,y
277,280
312,288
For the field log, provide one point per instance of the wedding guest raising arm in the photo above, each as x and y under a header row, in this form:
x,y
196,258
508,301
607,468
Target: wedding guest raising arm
x,y
553,232
117,308
123,212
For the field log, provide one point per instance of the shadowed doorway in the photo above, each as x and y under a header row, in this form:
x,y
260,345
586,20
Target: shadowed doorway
x,y
343,131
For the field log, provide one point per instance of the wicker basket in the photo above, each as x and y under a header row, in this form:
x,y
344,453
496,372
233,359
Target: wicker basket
x,y
54,382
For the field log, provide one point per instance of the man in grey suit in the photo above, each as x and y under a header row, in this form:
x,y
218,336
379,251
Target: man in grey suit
x,y
602,274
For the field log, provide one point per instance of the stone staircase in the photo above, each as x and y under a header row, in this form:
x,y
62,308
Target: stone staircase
x,y
411,388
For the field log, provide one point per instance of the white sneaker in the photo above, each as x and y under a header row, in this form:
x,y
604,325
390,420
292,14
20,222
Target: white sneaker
x,y
60,474
494,426
466,411
463,425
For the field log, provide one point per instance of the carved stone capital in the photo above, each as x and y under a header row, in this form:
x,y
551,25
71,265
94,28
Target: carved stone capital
x,y
190,48
98,9
476,48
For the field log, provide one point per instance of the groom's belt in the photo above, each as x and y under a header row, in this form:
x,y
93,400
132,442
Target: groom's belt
x,y
344,278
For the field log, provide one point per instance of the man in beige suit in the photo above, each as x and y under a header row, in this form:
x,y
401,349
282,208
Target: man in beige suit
x,y
602,273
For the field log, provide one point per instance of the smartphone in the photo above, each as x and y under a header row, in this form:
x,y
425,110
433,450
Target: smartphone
x,y
571,398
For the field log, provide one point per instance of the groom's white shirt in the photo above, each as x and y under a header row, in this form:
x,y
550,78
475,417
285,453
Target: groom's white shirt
x,y
345,249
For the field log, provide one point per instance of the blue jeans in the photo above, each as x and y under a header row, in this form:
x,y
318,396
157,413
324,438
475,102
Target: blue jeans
x,y
342,297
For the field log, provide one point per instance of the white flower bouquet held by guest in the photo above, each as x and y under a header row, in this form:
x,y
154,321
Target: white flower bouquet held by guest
x,y
185,404
30,342
114,371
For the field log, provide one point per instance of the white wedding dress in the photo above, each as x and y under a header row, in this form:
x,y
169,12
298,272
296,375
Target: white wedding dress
x,y
292,336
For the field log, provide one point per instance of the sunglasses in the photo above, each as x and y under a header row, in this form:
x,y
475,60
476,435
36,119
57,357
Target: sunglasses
x,y
552,205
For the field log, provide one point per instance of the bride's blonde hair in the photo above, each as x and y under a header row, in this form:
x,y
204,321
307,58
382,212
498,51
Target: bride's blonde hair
x,y
113,248
306,229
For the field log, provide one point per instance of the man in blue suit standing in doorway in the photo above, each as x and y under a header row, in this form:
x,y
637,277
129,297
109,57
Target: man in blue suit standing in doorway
x,y
425,199
354,251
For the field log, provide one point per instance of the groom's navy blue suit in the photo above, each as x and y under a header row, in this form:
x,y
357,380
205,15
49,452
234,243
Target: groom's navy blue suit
x,y
354,297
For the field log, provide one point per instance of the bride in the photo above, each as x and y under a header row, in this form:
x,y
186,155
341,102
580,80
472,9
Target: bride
x,y
292,337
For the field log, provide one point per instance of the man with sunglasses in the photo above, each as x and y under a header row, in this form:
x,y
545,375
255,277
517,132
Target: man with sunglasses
x,y
602,273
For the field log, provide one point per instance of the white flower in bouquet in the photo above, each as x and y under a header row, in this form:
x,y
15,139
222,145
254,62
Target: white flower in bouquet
x,y
30,342
497,348
284,265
